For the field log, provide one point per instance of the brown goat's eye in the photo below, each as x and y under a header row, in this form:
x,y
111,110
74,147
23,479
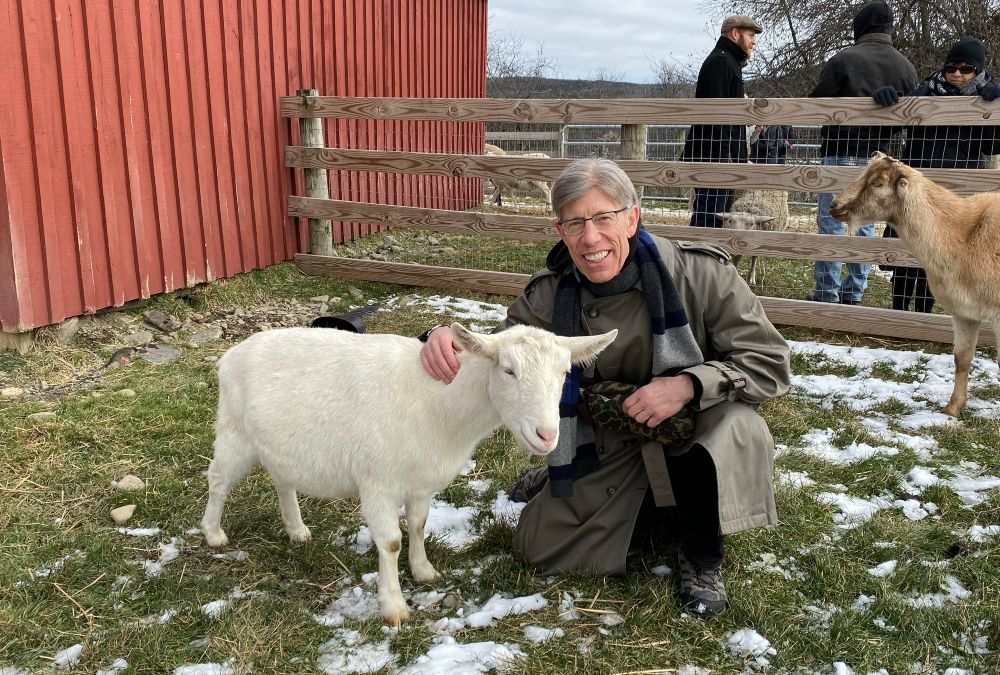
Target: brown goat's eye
x,y
878,183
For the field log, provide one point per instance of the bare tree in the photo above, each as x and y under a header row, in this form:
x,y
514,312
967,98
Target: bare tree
x,y
673,79
512,71
800,36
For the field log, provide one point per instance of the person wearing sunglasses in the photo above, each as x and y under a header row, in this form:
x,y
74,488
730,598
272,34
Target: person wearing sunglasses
x,y
943,147
692,340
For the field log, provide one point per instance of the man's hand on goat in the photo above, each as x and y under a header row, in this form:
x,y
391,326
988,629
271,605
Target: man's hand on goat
x,y
438,355
886,96
989,91
660,399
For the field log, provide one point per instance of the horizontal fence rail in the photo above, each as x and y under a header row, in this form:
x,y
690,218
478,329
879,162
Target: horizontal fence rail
x,y
806,178
965,110
796,246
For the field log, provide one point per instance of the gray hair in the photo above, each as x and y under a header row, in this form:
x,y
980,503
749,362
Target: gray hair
x,y
582,175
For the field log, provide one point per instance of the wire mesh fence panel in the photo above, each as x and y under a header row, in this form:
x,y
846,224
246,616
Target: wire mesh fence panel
x,y
719,150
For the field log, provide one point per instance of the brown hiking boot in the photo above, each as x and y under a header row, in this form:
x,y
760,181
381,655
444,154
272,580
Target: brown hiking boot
x,y
702,591
529,484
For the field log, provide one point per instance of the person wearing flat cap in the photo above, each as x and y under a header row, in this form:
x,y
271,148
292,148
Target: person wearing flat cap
x,y
721,76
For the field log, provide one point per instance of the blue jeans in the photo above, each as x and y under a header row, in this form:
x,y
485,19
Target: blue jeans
x,y
827,275
708,202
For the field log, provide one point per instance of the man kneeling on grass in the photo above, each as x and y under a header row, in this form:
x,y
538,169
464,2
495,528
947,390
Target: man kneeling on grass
x,y
668,410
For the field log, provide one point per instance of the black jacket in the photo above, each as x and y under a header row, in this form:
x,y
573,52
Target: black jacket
x,y
944,147
858,71
721,76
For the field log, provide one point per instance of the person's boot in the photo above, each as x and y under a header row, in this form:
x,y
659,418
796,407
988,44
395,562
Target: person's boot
x,y
702,591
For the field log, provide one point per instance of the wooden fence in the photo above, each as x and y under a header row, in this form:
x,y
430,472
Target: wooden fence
x,y
631,113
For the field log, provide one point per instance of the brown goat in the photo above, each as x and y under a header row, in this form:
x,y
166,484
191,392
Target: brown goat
x,y
956,239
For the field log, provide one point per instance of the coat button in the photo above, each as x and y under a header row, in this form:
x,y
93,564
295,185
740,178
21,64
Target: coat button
x,y
600,450
611,491
593,313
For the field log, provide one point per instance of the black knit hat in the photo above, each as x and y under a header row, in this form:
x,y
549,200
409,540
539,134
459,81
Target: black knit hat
x,y
968,49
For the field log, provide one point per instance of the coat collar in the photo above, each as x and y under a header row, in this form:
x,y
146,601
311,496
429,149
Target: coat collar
x,y
734,49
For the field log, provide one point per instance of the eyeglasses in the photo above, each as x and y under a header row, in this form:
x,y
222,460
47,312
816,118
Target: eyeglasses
x,y
601,220
965,70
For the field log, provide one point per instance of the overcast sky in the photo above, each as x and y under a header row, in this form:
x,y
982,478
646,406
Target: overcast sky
x,y
620,36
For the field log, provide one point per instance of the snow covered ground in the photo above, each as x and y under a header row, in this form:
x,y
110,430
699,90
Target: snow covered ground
x,y
456,621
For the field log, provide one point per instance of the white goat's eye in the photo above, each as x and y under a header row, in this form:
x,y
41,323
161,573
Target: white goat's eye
x,y
509,371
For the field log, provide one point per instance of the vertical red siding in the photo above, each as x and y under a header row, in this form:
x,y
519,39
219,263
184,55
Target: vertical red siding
x,y
141,149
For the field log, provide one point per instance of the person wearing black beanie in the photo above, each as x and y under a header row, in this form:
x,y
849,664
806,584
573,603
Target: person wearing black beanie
x,y
971,50
944,147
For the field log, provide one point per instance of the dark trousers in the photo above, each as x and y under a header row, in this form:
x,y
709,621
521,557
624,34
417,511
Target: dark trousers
x,y
910,283
692,476
708,202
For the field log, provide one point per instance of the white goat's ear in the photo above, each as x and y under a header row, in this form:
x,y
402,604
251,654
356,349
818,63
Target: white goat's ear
x,y
583,350
473,342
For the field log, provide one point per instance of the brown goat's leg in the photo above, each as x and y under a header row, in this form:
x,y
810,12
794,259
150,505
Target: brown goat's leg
x,y
966,334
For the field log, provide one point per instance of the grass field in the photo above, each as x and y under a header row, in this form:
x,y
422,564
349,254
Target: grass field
x,y
885,560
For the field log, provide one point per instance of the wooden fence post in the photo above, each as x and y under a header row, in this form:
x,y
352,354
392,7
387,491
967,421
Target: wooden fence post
x,y
633,145
317,185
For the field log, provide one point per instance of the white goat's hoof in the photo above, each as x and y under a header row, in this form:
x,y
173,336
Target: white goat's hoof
x,y
425,574
395,612
215,538
299,534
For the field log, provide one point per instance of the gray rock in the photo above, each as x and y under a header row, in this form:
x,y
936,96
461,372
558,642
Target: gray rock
x,y
127,393
355,293
42,416
204,336
122,514
140,337
129,483
200,385
319,299
336,301
433,241
161,321
67,330
158,354
391,240
11,392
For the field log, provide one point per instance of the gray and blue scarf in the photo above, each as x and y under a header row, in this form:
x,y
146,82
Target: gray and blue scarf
x,y
674,346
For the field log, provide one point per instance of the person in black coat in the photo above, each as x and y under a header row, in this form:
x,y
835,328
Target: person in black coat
x,y
944,147
870,63
721,76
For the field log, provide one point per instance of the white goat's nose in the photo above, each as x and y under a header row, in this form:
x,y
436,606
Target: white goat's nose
x,y
548,436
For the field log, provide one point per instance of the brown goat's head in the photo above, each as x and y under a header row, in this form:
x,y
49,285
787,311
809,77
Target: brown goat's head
x,y
876,195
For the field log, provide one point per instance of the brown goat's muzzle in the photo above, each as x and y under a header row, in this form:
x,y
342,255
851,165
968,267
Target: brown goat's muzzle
x,y
839,210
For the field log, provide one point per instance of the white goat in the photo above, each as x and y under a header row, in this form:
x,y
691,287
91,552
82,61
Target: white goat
x,y
509,186
337,414
956,240
756,210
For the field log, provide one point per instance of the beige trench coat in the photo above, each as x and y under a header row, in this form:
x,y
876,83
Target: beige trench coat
x,y
746,363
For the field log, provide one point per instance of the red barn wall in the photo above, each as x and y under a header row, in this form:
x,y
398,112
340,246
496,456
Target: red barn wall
x,y
141,149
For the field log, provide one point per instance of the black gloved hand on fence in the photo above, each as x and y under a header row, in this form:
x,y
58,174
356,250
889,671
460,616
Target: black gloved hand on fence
x,y
886,96
989,91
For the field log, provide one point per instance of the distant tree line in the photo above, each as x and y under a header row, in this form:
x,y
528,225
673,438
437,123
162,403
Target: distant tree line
x,y
798,39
